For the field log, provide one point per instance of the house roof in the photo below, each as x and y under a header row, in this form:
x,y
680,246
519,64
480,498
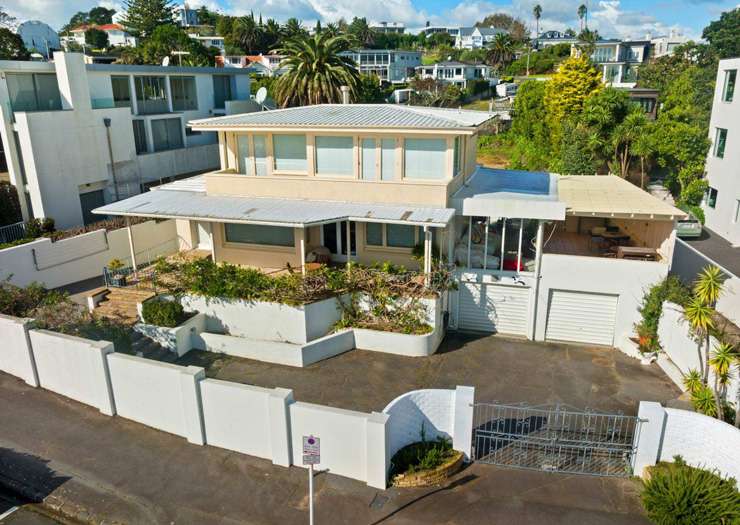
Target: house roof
x,y
452,63
187,199
104,27
382,116
611,196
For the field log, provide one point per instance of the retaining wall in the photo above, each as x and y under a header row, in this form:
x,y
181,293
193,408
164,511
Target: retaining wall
x,y
16,357
180,339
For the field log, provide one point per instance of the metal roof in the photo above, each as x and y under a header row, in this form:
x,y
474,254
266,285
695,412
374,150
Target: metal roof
x,y
177,202
352,116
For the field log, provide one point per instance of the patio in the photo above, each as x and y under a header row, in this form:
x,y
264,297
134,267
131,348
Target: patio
x,y
504,370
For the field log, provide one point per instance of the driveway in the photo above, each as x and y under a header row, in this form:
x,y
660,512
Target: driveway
x,y
500,369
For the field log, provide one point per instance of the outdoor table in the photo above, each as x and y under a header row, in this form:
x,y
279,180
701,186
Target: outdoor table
x,y
635,252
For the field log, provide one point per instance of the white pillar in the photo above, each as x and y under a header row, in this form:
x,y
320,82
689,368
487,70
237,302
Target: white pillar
x,y
213,243
427,254
649,437
462,433
485,245
303,252
537,278
519,249
349,244
503,243
130,232
470,237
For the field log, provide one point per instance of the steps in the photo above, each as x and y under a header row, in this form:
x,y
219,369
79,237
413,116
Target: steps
x,y
142,346
120,304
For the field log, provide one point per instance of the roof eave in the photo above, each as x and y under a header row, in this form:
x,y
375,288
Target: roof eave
x,y
466,130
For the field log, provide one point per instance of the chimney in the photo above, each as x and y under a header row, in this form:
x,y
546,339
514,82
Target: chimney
x,y
345,94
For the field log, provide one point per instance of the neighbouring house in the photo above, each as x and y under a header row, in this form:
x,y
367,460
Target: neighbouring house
x,y
647,99
117,35
618,60
389,65
722,201
39,37
78,135
388,27
185,16
476,37
429,30
536,255
456,72
666,44
261,65
552,38
210,41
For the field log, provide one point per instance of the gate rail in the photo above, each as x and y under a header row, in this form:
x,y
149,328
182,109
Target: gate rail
x,y
555,438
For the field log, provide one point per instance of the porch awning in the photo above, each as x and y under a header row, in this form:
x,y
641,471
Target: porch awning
x,y
196,205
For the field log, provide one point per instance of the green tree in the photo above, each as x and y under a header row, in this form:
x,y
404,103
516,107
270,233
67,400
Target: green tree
x,y
501,50
576,156
163,42
529,128
438,40
10,206
316,71
293,28
722,359
361,32
587,41
723,35
516,28
248,33
207,17
625,135
582,13
100,15
144,16
11,46
369,90
96,38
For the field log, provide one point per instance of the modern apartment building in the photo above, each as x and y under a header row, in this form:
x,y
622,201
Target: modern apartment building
x,y
78,135
476,37
722,202
619,60
392,66
666,44
185,16
456,72
388,27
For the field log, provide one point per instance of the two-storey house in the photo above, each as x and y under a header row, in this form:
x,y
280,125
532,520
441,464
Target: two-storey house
x,y
389,65
456,72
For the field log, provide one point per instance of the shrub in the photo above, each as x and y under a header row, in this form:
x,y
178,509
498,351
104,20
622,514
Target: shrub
x,y
23,302
163,313
678,494
424,455
39,227
115,265
669,289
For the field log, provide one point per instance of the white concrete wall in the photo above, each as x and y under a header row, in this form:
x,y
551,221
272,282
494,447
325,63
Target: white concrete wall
x,y
625,278
160,395
70,260
432,409
16,356
345,447
162,164
74,367
180,339
247,419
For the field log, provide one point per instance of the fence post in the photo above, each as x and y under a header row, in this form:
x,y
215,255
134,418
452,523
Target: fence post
x,y
377,450
279,413
462,426
648,439
192,404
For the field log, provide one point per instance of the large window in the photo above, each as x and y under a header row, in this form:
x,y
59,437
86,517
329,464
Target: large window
x,y
151,95
289,152
258,234
425,158
719,143
260,154
374,234
245,158
184,95
504,245
33,91
387,159
390,235
139,136
221,90
729,88
334,155
167,134
121,92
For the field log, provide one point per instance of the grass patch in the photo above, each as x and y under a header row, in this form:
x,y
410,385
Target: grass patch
x,y
424,455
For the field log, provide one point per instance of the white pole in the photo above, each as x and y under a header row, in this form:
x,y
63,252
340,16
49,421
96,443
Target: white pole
x,y
537,272
519,251
349,245
213,243
427,254
310,494
131,242
451,243
503,242
303,252
485,246
470,236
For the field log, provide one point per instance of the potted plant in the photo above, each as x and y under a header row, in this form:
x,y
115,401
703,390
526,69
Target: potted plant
x,y
116,278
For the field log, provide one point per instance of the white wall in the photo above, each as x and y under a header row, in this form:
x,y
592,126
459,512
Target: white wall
x,y
625,278
74,367
160,395
159,165
16,357
179,339
247,419
84,256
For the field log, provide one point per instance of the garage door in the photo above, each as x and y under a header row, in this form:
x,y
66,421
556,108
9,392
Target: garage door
x,y
493,308
581,317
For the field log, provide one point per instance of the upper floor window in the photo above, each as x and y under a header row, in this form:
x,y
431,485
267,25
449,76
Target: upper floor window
x,y
729,88
289,152
151,95
425,158
33,91
121,92
221,90
139,136
712,197
334,155
184,95
457,156
167,134
719,143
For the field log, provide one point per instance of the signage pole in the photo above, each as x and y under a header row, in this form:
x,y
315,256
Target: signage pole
x,y
310,494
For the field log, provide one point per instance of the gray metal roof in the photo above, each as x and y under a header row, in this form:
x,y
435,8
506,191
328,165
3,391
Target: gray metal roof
x,y
175,201
164,70
352,116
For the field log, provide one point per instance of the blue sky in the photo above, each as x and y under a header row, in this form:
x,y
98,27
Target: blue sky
x,y
613,18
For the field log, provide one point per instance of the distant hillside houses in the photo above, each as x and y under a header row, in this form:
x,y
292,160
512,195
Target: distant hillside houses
x,y
117,35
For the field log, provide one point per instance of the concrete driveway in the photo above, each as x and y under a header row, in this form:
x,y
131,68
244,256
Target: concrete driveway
x,y
501,370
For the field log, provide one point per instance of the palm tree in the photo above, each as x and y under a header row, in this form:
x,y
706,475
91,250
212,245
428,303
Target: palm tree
x,y
501,50
271,33
315,70
587,41
362,32
644,147
537,12
722,359
293,28
583,13
699,315
624,137
248,32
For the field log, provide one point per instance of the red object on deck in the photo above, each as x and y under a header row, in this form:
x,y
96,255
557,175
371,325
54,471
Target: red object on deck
x,y
510,265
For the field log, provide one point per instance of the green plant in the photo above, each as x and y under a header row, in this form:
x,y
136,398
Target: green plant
x,y
702,399
669,289
163,313
24,302
39,227
420,456
677,494
692,381
115,265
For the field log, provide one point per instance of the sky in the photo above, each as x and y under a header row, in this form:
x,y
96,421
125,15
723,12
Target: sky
x,y
612,18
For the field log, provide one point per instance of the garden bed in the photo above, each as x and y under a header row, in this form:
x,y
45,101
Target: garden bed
x,y
425,463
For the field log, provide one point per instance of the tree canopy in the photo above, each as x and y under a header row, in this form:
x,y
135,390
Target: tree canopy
x,y
144,16
163,41
96,38
96,16
723,35
515,26
11,46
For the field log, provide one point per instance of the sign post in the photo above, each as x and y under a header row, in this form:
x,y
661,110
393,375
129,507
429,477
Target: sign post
x,y
311,456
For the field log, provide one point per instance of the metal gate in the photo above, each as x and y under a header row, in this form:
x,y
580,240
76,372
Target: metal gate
x,y
554,439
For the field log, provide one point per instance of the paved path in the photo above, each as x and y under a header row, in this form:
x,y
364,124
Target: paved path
x,y
718,249
97,467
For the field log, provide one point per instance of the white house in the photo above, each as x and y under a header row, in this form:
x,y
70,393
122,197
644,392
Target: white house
x,y
78,135
210,41
39,37
666,44
388,27
429,30
618,60
117,35
456,72
389,65
722,202
476,37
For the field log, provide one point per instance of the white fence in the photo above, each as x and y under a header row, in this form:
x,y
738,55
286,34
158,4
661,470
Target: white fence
x,y
700,440
82,257
263,422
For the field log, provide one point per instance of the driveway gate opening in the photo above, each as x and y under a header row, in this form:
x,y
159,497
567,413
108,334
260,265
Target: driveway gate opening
x,y
554,439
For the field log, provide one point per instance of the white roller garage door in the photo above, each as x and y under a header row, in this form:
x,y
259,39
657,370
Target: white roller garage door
x,y
581,317
493,308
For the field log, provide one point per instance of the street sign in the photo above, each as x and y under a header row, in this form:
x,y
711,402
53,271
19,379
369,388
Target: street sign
x,y
311,450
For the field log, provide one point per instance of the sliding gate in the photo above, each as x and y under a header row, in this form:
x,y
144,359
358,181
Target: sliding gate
x,y
554,439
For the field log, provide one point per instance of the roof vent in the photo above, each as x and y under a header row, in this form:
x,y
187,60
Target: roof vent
x,y
345,94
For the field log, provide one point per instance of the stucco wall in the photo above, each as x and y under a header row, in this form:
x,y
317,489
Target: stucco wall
x,y
162,164
267,257
84,256
74,367
16,357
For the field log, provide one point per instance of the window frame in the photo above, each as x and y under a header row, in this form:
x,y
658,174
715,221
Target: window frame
x,y
726,84
712,195
353,161
717,142
271,153
142,148
258,245
445,169
418,237
182,79
147,81
169,142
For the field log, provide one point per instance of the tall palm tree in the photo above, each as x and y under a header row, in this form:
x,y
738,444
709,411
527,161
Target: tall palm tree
x,y
248,32
315,70
537,12
501,50
583,13
293,28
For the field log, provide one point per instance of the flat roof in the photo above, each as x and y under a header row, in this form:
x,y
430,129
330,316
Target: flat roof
x,y
611,196
352,116
187,199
